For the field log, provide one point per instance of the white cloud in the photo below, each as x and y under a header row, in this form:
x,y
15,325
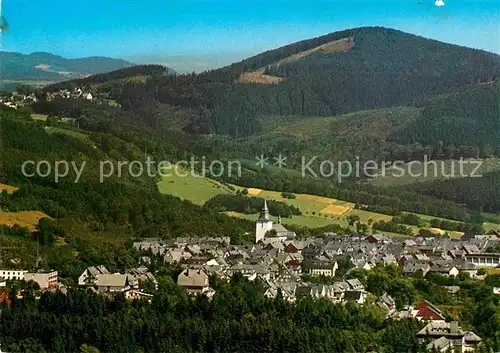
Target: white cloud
x,y
439,3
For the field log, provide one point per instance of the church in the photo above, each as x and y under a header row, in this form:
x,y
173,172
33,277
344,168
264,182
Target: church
x,y
265,224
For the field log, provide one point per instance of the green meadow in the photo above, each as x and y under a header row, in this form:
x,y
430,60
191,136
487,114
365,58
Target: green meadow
x,y
316,211
195,189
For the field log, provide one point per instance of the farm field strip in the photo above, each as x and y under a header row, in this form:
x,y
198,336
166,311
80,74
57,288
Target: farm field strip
x,y
317,211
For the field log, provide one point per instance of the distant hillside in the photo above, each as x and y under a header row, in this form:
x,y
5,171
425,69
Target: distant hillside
x,y
42,66
439,127
342,72
114,77
372,92
478,193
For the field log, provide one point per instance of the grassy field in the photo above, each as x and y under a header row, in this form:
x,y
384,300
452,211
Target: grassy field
x,y
317,211
27,219
77,134
303,221
195,189
420,172
40,117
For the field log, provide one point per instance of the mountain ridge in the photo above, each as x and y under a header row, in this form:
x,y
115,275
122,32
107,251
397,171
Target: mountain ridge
x,y
384,68
44,66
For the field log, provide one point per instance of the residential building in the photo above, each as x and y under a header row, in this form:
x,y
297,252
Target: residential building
x,y
322,268
356,296
13,274
44,279
387,303
445,335
483,260
138,295
444,270
112,283
89,276
193,281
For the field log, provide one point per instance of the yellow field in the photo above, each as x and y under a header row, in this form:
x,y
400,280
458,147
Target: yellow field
x,y
317,211
254,191
313,198
28,219
335,210
492,271
437,231
10,189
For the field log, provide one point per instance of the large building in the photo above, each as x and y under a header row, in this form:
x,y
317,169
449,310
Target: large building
x,y
448,337
13,274
482,260
194,281
44,279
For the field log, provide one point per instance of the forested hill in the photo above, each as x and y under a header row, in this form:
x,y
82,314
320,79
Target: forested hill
x,y
46,66
346,71
109,77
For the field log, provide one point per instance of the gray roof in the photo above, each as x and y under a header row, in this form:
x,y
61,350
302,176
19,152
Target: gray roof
x,y
341,286
355,284
111,280
439,329
472,337
192,278
439,344
411,267
279,228
97,270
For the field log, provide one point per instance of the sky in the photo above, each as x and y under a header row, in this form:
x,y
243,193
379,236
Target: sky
x,y
200,34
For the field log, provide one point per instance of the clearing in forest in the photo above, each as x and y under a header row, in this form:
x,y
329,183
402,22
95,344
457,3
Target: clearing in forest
x,y
254,191
28,219
258,76
9,188
335,210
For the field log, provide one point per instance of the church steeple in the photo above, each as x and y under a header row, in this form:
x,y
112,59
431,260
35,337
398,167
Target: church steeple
x,y
263,224
264,213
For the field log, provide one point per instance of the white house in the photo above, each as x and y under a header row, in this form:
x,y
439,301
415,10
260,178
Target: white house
x,y
44,279
89,276
483,260
13,274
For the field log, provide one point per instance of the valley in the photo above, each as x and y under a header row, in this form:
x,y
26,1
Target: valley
x,y
257,257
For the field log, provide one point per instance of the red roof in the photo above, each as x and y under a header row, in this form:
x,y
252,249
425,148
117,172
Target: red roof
x,y
5,296
427,311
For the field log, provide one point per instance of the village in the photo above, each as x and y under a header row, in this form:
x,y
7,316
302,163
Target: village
x,y
293,268
24,96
